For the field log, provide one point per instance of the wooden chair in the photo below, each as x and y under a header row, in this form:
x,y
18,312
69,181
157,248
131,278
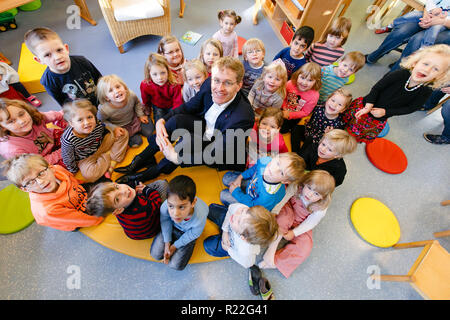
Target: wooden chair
x,y
124,31
429,275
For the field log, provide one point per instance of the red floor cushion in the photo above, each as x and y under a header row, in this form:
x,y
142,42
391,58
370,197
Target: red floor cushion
x,y
241,42
386,156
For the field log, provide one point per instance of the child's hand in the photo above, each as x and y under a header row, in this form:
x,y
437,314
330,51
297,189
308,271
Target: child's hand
x,y
169,250
378,112
289,235
118,131
143,119
285,114
139,187
236,183
364,110
225,241
446,90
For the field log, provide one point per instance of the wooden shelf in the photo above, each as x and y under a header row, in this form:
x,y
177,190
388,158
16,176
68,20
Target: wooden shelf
x,y
317,14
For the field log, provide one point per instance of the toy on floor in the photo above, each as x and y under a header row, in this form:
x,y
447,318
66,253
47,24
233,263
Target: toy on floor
x,y
7,21
386,156
16,212
385,131
375,222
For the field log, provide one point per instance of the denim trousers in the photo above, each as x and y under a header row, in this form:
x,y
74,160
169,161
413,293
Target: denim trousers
x,y
213,244
446,115
225,195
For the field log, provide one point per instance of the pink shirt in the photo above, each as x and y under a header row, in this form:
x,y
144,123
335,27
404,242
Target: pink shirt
x,y
299,103
229,43
39,141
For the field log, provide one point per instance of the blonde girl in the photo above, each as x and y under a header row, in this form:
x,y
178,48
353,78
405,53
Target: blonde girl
x,y
228,19
399,92
170,48
296,220
270,89
87,145
324,118
210,52
159,89
120,109
23,129
302,94
194,75
329,48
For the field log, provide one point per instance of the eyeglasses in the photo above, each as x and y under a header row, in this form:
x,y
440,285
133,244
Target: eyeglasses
x,y
226,83
32,182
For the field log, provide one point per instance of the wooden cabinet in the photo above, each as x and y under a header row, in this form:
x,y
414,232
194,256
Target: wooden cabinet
x,y
317,14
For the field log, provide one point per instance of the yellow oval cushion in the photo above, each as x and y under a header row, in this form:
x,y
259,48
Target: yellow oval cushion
x,y
375,222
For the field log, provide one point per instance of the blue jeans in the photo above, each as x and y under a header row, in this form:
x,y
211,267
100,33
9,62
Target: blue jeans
x,y
225,195
415,42
405,27
213,244
146,129
446,115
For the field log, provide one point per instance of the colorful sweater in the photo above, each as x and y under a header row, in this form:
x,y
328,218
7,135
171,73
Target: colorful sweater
x,y
258,149
250,76
330,82
40,140
168,96
64,209
299,103
141,219
316,126
322,55
260,100
259,191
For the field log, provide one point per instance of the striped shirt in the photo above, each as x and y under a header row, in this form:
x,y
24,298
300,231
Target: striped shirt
x,y
322,55
141,219
330,83
261,100
74,149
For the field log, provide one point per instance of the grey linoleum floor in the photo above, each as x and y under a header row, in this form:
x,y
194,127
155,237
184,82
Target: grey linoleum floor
x,y
35,263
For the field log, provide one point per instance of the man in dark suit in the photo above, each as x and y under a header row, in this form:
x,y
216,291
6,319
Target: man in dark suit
x,y
217,120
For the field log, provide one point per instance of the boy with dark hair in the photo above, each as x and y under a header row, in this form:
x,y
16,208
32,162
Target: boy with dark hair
x,y
292,56
183,218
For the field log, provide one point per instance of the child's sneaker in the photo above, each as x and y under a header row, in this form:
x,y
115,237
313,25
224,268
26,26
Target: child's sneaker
x,y
383,30
254,275
34,101
265,289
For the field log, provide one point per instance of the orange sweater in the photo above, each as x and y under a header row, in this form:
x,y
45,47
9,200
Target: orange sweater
x,y
64,209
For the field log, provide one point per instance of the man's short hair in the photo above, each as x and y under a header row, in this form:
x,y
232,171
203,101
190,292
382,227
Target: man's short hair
x,y
233,64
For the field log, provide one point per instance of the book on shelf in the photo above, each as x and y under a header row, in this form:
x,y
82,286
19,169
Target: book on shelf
x,y
191,37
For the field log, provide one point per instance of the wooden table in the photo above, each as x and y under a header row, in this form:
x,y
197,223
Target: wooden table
x,y
84,10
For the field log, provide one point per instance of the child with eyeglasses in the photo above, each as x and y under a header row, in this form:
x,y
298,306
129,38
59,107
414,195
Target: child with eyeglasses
x,y
253,53
57,198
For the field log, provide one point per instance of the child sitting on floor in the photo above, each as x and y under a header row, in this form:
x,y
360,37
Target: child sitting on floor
x,y
210,51
265,138
244,231
12,88
194,74
323,119
399,92
253,53
228,20
136,209
270,89
296,220
292,56
57,199
329,48
23,129
159,90
328,154
334,77
67,77
183,218
170,48
264,183
87,145
302,93
120,108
